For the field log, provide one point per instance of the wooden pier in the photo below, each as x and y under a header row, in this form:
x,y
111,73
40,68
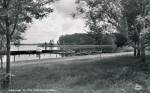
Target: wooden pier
x,y
33,52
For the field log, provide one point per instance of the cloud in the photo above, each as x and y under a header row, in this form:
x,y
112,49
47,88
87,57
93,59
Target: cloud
x,y
65,7
56,24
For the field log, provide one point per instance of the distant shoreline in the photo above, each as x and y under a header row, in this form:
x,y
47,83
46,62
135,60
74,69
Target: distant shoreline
x,y
26,44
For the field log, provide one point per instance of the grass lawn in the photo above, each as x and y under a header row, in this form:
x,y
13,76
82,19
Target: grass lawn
x,y
109,75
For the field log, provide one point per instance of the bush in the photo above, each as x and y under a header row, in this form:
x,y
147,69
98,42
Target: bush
x,y
124,49
107,48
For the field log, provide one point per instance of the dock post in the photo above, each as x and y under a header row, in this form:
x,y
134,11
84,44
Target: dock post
x,y
39,55
14,58
100,54
50,51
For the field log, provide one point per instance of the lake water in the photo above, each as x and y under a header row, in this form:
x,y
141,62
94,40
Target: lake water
x,y
31,47
31,56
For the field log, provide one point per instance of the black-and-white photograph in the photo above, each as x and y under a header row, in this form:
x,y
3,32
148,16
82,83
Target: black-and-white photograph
x,y
74,46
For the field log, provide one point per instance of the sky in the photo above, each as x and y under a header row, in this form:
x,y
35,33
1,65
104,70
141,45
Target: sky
x,y
58,23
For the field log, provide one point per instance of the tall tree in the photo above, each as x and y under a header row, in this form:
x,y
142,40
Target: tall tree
x,y
14,14
101,16
130,11
136,16
130,17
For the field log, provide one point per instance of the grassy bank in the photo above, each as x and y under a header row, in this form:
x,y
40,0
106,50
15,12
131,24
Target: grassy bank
x,y
109,75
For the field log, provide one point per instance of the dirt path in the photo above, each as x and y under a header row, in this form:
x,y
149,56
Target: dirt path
x,y
68,59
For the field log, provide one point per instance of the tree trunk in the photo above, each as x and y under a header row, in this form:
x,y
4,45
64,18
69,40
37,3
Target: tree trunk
x,y
138,53
18,50
1,55
8,52
1,61
135,50
143,58
138,50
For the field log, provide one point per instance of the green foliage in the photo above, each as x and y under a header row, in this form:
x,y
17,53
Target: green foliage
x,y
14,14
101,16
136,14
108,39
147,41
120,40
86,39
51,42
77,39
19,11
107,48
132,9
2,42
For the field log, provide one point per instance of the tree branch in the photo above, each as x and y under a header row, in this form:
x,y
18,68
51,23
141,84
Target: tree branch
x,y
3,30
128,39
13,30
8,2
135,26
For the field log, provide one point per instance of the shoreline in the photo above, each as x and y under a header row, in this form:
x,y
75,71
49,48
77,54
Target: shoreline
x,y
67,59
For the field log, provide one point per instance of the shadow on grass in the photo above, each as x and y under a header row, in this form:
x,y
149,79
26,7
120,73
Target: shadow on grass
x,y
107,72
100,74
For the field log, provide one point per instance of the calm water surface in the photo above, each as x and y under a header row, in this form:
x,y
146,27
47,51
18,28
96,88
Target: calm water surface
x,y
31,56
31,47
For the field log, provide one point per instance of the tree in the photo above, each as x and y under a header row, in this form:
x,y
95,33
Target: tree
x,y
76,39
136,16
101,16
120,40
144,20
51,42
130,11
14,14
